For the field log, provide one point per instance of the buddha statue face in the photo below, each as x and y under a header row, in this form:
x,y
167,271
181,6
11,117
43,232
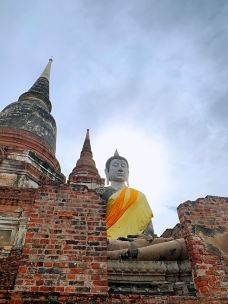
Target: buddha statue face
x,y
117,170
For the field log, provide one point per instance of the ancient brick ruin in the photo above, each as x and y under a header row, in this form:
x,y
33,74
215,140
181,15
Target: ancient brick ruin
x,y
53,246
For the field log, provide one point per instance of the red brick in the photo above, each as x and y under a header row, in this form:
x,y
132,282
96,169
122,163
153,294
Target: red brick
x,y
22,269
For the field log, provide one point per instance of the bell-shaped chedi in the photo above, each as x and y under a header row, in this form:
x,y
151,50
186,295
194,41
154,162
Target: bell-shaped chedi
x,y
85,171
28,138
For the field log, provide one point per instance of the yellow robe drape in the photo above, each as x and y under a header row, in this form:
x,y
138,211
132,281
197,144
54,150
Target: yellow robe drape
x,y
128,212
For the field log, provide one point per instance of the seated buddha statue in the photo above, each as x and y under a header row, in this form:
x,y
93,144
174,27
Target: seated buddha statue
x,y
130,231
128,211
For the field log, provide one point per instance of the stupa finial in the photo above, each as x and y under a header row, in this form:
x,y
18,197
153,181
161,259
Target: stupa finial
x,y
47,70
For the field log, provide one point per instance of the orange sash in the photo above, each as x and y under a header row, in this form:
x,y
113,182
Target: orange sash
x,y
120,206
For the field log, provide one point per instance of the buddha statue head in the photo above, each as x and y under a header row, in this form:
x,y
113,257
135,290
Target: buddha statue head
x,y
117,169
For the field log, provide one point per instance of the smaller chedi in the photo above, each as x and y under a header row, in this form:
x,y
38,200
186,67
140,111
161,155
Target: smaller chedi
x,y
129,225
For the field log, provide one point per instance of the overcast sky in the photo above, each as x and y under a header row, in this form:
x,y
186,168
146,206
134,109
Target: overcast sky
x,y
147,77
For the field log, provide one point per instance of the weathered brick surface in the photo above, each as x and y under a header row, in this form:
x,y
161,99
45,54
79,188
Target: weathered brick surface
x,y
26,153
65,246
203,221
13,198
9,268
21,140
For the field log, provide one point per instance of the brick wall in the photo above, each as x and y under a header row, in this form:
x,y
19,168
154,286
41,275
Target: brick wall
x,y
8,269
205,227
65,246
64,255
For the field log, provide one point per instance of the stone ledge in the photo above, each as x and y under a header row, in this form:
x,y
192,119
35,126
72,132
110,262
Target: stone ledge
x,y
150,277
149,266
64,297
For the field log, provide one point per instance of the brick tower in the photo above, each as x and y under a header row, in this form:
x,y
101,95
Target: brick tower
x,y
85,171
28,138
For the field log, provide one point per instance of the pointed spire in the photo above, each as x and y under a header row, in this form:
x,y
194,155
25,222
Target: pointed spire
x,y
116,153
47,70
87,146
85,171
40,89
